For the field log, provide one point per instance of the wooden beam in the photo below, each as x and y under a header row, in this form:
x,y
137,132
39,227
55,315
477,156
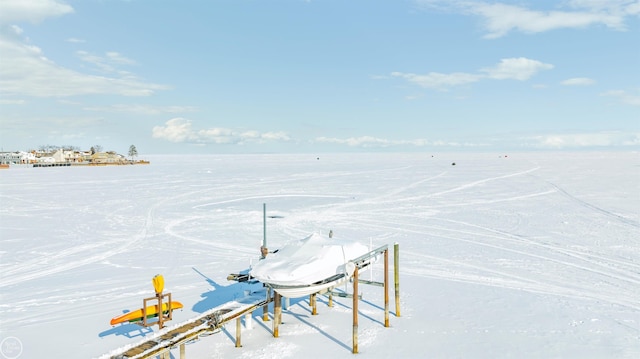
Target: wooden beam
x,y
313,301
355,312
386,288
277,313
265,309
396,275
238,331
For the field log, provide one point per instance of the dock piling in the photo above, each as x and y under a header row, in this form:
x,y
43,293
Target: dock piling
x,y
386,288
396,275
355,312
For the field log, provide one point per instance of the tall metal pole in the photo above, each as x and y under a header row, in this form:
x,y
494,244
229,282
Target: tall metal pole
x,y
264,225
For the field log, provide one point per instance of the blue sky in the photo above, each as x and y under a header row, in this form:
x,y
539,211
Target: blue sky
x,y
259,76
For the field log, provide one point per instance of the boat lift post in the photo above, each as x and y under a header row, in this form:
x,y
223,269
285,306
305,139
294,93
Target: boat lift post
x,y
365,260
396,275
277,313
355,312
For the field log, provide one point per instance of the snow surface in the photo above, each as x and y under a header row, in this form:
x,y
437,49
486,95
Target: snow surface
x,y
534,255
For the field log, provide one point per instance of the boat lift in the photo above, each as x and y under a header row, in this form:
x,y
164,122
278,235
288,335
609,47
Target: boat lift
x,y
212,320
359,263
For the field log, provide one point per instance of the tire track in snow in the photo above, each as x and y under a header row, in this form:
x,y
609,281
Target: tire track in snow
x,y
585,256
595,208
169,229
33,269
477,183
560,289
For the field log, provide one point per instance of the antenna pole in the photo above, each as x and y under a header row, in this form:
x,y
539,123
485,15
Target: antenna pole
x,y
264,225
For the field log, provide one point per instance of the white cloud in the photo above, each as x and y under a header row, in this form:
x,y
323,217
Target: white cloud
x,y
12,102
12,11
275,136
75,40
107,64
119,59
142,109
578,81
519,68
586,140
376,142
180,130
26,71
363,141
624,97
438,80
500,18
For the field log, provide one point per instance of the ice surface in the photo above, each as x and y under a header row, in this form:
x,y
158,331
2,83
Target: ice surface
x,y
530,255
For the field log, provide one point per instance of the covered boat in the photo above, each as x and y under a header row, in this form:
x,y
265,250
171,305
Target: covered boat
x,y
309,265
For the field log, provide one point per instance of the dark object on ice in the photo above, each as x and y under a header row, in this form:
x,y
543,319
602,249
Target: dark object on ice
x,y
453,164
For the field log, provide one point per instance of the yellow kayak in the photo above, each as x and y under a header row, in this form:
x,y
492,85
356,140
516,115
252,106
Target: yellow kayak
x,y
152,311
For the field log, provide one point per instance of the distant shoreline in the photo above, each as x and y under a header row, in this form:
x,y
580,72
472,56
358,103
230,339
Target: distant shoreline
x,y
74,164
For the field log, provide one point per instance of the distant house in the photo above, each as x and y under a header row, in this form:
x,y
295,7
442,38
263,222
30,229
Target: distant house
x,y
68,156
18,157
107,158
64,157
46,159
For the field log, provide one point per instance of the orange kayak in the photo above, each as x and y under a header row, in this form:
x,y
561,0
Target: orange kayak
x,y
152,311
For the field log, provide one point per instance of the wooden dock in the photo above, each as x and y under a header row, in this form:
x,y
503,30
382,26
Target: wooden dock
x,y
178,335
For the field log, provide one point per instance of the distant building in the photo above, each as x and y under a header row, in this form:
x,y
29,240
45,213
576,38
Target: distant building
x,y
69,156
107,158
63,156
18,157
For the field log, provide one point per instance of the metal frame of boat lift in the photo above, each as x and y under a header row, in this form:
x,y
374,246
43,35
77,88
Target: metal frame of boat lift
x,y
359,263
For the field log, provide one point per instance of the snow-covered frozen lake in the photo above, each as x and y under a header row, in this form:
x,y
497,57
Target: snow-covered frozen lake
x,y
534,255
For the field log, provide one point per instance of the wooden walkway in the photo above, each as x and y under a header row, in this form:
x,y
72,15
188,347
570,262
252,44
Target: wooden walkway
x,y
176,336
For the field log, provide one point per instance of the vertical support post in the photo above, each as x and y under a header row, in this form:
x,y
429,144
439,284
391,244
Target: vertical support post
x,y
386,288
396,275
277,313
313,301
238,331
144,311
330,300
170,307
355,312
248,320
183,352
160,311
265,308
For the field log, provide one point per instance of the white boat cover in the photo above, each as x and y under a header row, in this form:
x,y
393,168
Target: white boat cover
x,y
314,261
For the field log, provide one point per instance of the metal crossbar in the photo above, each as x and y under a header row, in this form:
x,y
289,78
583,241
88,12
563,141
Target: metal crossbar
x,y
365,259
